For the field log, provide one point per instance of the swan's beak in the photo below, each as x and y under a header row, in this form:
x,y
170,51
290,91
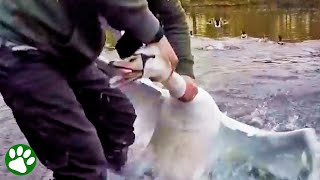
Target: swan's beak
x,y
128,69
120,81
128,65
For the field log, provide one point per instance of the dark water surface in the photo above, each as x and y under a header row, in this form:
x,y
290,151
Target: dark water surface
x,y
294,24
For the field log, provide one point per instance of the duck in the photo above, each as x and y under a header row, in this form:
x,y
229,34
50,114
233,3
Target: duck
x,y
218,22
191,33
210,21
223,21
244,35
280,40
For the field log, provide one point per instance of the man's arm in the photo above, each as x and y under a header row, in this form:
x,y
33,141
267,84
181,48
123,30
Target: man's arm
x,y
173,19
133,16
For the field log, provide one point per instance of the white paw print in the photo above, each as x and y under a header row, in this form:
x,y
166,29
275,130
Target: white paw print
x,y
20,159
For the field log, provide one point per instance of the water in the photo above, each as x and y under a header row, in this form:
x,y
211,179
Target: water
x,y
271,86
294,24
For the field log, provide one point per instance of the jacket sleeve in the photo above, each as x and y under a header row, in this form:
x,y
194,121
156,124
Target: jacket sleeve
x,y
133,16
173,19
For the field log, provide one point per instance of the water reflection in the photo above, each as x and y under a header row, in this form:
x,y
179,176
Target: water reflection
x,y
293,24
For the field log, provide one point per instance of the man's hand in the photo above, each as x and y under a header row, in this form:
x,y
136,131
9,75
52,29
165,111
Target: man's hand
x,y
188,79
128,45
166,51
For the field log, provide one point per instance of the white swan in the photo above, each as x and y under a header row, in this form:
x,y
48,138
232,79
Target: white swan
x,y
184,141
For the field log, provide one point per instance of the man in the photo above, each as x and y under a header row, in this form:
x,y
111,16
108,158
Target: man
x,y
173,19
62,103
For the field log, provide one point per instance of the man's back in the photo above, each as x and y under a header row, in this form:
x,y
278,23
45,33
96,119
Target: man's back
x,y
55,26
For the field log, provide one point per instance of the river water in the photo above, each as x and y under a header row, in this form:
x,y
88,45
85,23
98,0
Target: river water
x,y
294,24
271,86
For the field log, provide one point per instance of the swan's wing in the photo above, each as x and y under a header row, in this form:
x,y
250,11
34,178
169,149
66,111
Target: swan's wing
x,y
284,154
146,100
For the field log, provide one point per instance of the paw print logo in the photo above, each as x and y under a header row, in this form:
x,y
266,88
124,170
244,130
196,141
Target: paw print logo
x,y
20,159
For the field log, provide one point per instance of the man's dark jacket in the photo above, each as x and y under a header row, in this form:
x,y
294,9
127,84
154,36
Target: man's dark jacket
x,y
72,28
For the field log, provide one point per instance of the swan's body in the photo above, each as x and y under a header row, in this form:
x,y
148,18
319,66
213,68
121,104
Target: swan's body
x,y
183,141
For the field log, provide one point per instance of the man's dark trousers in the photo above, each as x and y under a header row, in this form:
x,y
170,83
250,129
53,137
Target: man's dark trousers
x,y
70,116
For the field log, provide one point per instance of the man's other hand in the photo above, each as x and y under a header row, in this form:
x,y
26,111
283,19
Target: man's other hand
x,y
166,51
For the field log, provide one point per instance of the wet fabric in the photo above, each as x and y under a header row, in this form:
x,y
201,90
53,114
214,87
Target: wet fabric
x,y
70,117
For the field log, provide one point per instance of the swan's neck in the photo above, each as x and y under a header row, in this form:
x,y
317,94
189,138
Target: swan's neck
x,y
180,89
